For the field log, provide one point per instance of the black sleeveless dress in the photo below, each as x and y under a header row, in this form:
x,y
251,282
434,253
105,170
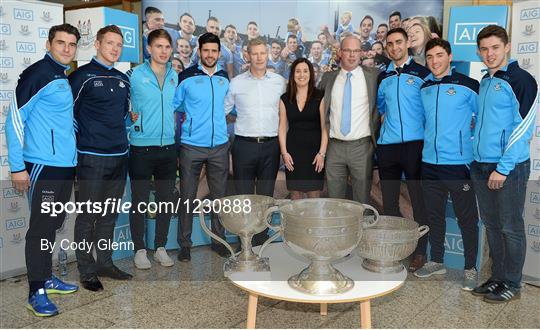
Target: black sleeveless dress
x,y
303,143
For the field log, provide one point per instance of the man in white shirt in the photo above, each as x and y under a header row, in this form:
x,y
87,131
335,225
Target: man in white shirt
x,y
352,118
255,95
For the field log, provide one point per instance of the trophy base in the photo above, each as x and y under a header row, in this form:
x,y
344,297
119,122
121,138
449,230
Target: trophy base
x,y
233,265
383,267
310,282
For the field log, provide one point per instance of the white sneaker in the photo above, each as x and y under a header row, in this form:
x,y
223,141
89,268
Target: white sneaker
x,y
141,260
162,257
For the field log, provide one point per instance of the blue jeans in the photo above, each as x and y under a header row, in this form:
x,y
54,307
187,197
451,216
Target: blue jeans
x,y
502,213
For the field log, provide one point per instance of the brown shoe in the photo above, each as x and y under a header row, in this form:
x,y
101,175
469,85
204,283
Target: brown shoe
x,y
417,262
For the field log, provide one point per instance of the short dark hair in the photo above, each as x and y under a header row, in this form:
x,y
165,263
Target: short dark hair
x,y
367,17
316,42
492,31
438,42
397,30
109,28
212,18
275,41
252,22
229,26
151,10
67,28
291,36
377,42
382,24
159,33
209,38
186,14
395,13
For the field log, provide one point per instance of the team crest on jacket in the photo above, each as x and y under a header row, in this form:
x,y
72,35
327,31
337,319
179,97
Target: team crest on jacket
x,y
172,81
121,84
498,87
410,81
451,91
221,82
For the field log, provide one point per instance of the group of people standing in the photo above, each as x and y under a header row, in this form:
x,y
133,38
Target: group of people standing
x,y
441,130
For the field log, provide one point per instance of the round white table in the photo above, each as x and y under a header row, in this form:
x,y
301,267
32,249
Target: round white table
x,y
284,263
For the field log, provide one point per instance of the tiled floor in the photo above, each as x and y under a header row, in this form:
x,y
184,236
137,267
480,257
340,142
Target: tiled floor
x,y
195,295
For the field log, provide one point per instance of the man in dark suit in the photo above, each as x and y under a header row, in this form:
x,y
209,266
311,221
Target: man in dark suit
x,y
353,122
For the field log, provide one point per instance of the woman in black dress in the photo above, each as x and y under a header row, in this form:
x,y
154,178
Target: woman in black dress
x,y
303,137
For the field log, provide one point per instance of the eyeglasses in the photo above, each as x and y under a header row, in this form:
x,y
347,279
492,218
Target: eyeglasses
x,y
351,51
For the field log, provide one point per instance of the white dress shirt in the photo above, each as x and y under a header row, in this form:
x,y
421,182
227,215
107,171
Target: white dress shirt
x,y
256,101
359,106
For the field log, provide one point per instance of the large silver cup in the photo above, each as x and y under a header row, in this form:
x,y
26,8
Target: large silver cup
x,y
243,222
322,230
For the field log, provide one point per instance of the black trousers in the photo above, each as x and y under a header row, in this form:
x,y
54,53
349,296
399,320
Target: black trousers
x,y
192,159
47,184
394,161
255,168
145,163
438,181
100,178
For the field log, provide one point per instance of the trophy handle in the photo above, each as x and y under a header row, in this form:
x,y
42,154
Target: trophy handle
x,y
214,236
375,212
268,216
422,230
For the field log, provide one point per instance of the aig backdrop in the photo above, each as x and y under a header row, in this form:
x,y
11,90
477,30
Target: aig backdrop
x,y
24,28
525,36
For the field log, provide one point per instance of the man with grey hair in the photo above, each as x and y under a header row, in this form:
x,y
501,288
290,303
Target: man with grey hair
x,y
353,122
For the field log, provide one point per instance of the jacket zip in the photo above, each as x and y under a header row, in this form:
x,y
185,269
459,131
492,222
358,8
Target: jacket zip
x,y
460,143
190,125
161,92
52,142
436,122
212,88
502,141
142,130
482,121
399,108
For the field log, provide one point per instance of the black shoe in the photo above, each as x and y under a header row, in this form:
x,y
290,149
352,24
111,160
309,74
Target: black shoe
x,y
184,255
114,273
503,293
488,287
221,250
91,283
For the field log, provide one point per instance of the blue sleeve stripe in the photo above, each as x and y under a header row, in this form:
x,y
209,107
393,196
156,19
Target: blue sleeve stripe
x,y
523,126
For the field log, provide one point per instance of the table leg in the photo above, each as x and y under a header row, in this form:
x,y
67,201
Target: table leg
x,y
324,309
252,311
365,315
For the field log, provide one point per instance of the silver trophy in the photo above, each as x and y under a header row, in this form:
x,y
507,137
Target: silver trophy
x,y
249,217
322,230
391,240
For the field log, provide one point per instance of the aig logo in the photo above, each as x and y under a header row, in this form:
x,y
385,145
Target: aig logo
x,y
26,47
8,96
536,164
527,47
15,223
11,193
23,14
537,131
5,29
465,33
529,13
2,128
6,62
533,230
535,198
4,161
43,32
129,36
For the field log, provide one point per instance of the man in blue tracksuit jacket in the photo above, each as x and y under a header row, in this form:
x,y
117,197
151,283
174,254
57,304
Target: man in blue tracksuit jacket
x,y
201,94
152,148
450,101
508,102
101,105
399,147
42,158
